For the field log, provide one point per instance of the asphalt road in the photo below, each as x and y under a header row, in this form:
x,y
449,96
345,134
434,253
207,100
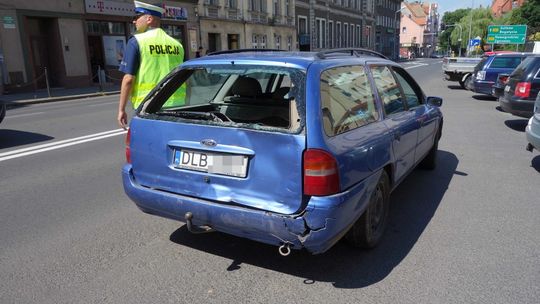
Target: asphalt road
x,y
468,232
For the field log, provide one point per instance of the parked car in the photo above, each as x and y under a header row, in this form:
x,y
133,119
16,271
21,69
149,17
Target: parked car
x,y
486,72
522,87
290,149
459,69
532,131
498,88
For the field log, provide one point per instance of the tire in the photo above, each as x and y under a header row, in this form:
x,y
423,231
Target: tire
x,y
369,228
468,82
463,83
430,161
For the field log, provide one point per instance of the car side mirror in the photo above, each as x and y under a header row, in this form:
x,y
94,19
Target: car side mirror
x,y
434,101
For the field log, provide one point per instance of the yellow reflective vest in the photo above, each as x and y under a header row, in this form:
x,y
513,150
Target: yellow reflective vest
x,y
159,54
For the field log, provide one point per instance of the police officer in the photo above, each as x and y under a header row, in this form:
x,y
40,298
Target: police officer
x,y
150,55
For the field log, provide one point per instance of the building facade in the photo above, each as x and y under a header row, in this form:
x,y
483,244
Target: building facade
x,y
76,41
235,24
387,27
335,24
418,29
501,7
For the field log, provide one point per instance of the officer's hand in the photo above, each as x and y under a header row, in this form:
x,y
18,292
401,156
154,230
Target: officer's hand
x,y
122,120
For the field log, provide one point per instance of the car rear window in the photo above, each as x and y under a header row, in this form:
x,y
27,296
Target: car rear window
x,y
480,64
246,96
505,62
524,68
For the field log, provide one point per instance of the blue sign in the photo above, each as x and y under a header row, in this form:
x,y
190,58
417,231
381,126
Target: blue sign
x,y
474,42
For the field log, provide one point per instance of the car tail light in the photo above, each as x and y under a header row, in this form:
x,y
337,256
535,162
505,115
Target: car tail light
x,y
128,149
523,89
320,173
504,79
480,75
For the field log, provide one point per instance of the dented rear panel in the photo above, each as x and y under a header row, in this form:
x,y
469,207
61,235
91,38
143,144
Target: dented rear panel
x,y
273,163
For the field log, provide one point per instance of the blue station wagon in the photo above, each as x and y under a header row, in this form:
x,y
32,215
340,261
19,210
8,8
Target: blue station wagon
x,y
293,149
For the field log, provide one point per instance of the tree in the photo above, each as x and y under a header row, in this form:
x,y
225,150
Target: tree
x,y
450,18
481,18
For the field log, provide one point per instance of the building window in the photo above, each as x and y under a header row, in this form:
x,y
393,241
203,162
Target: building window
x,y
277,41
330,34
338,35
302,25
345,34
254,43
404,29
289,43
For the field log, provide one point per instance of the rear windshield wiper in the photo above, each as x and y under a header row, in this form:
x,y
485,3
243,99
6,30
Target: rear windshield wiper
x,y
192,115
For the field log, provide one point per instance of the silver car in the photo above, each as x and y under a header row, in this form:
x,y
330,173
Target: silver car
x,y
533,127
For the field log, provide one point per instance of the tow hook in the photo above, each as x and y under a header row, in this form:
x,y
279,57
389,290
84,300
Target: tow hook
x,y
285,249
529,147
196,229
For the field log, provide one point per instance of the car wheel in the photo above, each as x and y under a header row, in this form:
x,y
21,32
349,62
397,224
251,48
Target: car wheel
x,y
468,82
369,228
464,84
430,161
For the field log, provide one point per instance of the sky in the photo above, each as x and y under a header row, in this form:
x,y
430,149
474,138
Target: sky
x,y
452,5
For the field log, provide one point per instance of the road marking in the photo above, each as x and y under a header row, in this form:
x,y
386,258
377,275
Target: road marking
x,y
59,144
416,66
23,115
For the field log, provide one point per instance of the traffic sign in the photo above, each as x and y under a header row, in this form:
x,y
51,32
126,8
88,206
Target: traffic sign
x,y
506,34
474,42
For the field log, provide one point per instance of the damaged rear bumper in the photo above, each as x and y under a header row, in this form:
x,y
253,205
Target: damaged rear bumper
x,y
319,226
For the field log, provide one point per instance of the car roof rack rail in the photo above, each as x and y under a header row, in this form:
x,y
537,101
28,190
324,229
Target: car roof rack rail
x,y
243,51
351,51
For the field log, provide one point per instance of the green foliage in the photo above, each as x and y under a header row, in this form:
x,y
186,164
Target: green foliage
x,y
450,18
481,18
530,11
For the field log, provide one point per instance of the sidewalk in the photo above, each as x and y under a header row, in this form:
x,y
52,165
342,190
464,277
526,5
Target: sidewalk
x,y
57,94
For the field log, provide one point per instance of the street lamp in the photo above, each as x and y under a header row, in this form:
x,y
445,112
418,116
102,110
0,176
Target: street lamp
x,y
398,32
460,32
470,27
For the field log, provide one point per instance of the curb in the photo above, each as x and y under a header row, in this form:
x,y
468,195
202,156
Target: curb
x,y
59,98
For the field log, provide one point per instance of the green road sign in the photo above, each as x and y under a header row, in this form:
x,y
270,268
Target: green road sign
x,y
506,34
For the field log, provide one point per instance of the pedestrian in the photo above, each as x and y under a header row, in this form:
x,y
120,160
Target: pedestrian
x,y
199,52
150,55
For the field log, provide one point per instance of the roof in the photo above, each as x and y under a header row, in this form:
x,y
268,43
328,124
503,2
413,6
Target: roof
x,y
287,59
417,12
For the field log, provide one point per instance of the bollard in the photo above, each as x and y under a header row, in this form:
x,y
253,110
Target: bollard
x,y
99,79
47,82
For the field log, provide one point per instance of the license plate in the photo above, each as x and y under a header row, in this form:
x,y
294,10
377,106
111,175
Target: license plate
x,y
215,163
507,88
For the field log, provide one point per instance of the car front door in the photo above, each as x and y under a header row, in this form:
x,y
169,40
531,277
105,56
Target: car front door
x,y
426,117
401,122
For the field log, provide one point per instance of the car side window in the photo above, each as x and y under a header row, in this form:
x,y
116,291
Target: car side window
x,y
346,99
413,94
505,62
388,89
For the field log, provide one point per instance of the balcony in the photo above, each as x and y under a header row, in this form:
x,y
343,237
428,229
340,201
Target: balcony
x,y
234,14
211,9
258,17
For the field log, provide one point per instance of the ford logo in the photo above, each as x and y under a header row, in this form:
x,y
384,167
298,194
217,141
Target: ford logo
x,y
209,142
